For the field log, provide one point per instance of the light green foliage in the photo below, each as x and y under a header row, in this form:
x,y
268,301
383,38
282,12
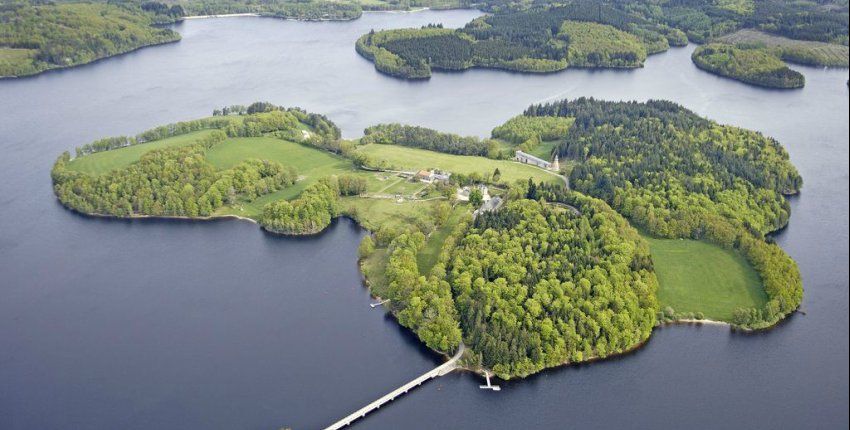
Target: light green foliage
x,y
521,128
755,66
309,10
366,248
310,213
423,304
695,276
70,34
599,45
538,286
741,7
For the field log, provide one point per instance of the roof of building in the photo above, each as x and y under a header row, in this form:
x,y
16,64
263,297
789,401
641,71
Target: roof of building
x,y
531,157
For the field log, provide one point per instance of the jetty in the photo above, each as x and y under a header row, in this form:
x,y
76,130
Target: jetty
x,y
438,371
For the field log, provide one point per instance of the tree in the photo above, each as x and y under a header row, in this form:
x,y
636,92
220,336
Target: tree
x,y
366,248
475,198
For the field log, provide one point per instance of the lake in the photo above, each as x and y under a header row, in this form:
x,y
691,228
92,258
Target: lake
x,y
108,324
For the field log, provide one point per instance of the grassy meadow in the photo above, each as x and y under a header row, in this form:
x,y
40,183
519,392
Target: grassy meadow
x,y
427,257
102,162
696,276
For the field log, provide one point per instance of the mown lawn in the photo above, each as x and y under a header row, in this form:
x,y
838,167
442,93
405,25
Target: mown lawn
x,y
427,257
102,162
696,276
402,157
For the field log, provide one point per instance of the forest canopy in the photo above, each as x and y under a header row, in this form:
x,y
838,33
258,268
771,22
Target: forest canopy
x,y
539,285
679,175
551,36
35,38
755,66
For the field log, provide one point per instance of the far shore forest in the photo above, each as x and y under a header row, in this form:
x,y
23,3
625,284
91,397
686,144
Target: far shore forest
x,y
746,40
666,218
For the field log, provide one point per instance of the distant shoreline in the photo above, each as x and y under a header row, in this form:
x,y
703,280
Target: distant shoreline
x,y
225,15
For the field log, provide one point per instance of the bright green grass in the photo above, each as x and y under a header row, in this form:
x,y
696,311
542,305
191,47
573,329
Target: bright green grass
x,y
102,162
405,187
414,159
427,257
696,276
312,164
373,213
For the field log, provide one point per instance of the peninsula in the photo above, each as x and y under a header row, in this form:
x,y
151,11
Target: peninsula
x,y
477,242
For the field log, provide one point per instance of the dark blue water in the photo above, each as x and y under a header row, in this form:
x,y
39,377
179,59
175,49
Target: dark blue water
x,y
109,324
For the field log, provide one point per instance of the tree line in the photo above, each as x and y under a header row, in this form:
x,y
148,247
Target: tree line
x,y
257,119
426,138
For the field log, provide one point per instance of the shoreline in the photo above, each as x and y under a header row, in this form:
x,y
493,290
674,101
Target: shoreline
x,y
224,15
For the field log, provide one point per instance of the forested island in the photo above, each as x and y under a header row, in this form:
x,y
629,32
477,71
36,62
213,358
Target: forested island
x,y
551,36
469,245
754,66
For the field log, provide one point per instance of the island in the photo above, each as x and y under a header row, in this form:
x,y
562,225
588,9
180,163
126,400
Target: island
x,y
630,216
551,36
539,39
755,66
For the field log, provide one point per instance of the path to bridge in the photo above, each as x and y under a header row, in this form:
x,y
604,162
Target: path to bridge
x,y
436,372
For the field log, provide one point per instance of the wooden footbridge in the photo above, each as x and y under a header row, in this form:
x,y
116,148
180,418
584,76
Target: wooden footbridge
x,y
440,370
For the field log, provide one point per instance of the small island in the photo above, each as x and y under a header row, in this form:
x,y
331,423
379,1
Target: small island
x,y
755,66
536,40
567,236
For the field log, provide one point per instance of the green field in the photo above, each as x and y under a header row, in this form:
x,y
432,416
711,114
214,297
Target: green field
x,y
312,164
427,257
402,157
102,162
696,276
373,213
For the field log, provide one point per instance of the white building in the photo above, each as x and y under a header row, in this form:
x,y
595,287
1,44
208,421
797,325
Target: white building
x,y
522,157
